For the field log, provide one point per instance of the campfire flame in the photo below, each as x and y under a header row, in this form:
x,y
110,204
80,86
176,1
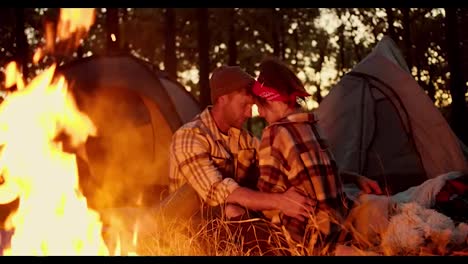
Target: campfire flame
x,y
136,230
40,129
73,20
52,217
66,36
13,76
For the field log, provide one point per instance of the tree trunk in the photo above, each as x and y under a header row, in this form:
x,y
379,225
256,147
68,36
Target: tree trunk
x,y
407,37
281,35
319,70
274,33
124,13
112,30
457,86
390,21
375,32
463,15
203,56
22,47
418,58
297,46
124,46
431,89
232,47
357,52
170,57
341,41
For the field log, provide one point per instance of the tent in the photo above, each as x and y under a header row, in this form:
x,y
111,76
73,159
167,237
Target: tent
x,y
136,108
380,123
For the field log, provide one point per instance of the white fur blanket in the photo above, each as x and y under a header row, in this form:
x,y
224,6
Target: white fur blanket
x,y
403,224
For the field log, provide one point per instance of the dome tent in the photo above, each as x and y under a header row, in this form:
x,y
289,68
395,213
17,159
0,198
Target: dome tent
x,y
136,108
380,123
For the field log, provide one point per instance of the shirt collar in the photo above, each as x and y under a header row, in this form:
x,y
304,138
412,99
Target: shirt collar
x,y
208,120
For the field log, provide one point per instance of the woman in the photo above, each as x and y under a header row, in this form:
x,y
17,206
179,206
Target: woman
x,y
294,153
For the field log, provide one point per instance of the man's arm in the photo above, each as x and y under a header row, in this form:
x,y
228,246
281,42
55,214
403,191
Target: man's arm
x,y
190,153
291,202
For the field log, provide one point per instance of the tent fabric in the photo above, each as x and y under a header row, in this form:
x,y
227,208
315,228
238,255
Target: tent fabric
x,y
136,109
380,123
138,75
387,48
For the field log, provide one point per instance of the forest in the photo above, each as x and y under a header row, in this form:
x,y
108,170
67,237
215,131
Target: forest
x,y
321,44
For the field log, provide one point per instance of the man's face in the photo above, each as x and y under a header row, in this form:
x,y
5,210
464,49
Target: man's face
x,y
238,108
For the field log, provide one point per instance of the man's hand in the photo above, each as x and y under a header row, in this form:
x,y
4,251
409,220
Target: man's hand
x,y
294,204
233,210
367,185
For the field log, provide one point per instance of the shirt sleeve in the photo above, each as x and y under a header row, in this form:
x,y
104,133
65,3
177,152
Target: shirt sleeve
x,y
191,153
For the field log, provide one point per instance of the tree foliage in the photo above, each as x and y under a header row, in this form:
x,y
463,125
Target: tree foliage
x,y
320,44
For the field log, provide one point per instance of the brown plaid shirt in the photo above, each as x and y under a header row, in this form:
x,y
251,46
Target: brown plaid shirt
x,y
292,153
213,164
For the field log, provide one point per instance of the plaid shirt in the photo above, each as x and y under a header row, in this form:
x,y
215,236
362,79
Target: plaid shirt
x,y
212,164
292,153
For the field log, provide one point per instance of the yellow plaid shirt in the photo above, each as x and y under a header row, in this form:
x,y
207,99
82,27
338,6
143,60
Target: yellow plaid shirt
x,y
213,164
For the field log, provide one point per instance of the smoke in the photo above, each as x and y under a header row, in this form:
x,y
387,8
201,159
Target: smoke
x,y
129,155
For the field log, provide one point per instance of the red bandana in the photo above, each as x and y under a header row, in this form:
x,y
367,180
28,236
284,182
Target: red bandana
x,y
271,94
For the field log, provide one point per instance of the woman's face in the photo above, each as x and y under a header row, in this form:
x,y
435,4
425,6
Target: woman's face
x,y
272,111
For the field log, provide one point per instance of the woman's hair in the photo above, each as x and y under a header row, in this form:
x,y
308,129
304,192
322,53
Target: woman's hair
x,y
278,75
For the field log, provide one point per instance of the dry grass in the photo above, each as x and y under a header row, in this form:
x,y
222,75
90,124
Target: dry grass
x,y
197,238
162,236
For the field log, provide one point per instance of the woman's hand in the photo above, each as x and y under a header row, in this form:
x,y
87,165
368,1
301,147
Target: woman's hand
x,y
295,204
365,184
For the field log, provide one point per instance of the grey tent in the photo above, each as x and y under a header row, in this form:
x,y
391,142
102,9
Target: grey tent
x,y
381,123
136,109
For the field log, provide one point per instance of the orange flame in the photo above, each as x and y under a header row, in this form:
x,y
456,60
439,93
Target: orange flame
x,y
73,25
118,247
136,230
13,76
73,20
52,217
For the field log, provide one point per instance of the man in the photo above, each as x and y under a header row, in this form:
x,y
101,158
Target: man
x,y
216,157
